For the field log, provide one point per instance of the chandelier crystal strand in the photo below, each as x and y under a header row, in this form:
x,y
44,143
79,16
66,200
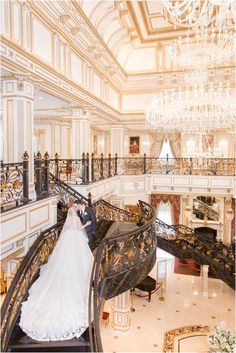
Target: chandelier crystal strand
x,y
192,109
207,48
192,13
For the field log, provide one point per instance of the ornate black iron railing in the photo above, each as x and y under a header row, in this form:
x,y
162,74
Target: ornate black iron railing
x,y
41,175
93,169
66,194
184,242
25,276
14,176
74,171
14,183
103,168
115,261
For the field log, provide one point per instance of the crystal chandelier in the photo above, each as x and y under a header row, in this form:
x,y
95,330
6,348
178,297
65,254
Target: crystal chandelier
x,y
198,13
192,109
206,48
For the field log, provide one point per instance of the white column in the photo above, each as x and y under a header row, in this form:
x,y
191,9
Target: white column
x,y
80,132
64,135
101,143
121,309
204,276
84,74
227,222
117,141
18,107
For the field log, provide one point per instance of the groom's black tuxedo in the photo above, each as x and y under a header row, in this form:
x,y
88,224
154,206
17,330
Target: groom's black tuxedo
x,y
85,216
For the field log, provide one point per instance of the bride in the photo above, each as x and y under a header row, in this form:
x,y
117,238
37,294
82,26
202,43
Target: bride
x,y
57,305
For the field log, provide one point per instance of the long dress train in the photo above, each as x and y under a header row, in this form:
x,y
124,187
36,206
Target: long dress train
x,y
57,305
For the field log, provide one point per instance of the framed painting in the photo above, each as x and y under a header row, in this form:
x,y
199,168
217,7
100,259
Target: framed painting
x,y
134,145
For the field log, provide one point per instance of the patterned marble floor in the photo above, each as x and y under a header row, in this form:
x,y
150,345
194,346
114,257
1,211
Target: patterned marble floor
x,y
184,305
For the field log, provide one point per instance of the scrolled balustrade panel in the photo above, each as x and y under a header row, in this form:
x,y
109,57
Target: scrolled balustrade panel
x,y
11,184
68,170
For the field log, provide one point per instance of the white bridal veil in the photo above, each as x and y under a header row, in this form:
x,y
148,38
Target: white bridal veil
x,y
70,223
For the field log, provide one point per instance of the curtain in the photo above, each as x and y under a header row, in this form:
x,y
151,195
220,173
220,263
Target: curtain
x,y
174,201
175,143
156,144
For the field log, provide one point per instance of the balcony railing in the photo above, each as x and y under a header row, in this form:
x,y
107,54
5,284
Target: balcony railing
x,y
90,169
14,183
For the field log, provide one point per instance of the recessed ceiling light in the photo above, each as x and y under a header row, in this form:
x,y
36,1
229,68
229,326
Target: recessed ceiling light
x,y
40,97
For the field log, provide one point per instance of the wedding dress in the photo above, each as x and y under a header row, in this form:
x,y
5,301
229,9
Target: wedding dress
x,y
57,305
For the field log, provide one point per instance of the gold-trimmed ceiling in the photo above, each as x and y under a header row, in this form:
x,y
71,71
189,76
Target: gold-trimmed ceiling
x,y
150,22
131,30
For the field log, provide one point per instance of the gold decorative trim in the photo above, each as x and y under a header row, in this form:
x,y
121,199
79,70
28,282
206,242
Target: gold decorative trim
x,y
59,75
137,27
78,8
170,336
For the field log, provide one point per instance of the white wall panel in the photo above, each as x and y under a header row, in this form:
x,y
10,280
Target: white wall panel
x,y
97,84
16,21
76,68
42,41
26,29
141,59
136,102
57,140
113,98
38,216
13,226
5,17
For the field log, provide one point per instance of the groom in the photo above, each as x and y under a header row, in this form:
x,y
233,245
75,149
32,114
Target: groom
x,y
86,214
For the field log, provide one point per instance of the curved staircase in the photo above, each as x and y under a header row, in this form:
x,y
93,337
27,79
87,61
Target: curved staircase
x,y
123,256
186,243
117,268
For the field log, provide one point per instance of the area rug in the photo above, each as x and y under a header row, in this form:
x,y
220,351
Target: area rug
x,y
172,337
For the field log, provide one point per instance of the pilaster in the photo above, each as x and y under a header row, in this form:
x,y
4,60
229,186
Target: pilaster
x,y
80,132
18,121
117,140
121,310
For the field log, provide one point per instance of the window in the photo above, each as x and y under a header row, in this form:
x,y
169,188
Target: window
x,y
166,149
164,213
223,148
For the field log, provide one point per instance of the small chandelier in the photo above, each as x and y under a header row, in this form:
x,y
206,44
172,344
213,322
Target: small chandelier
x,y
192,109
192,13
